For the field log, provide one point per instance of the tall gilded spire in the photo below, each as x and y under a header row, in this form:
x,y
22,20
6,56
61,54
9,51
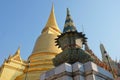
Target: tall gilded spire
x,y
46,42
51,23
69,25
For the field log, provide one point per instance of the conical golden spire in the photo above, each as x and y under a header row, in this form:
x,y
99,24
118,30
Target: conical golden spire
x,y
44,50
51,23
46,41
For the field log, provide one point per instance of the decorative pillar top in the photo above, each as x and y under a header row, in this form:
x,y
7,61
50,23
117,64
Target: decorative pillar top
x,y
69,25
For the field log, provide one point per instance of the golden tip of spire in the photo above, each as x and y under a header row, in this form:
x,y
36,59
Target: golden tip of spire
x,y
18,50
18,47
52,5
51,23
52,10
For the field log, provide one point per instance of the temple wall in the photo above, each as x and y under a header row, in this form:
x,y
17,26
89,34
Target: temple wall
x,y
11,70
77,71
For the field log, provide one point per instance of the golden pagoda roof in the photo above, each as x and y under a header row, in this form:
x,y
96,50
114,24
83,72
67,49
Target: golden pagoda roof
x,y
46,41
51,23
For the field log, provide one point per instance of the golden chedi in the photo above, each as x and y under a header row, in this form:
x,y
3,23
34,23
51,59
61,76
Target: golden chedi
x,y
44,51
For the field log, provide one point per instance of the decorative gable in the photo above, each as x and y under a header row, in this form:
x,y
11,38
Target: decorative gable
x,y
16,56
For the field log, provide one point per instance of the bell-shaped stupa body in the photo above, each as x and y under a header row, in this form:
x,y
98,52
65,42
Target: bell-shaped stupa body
x,y
44,50
46,42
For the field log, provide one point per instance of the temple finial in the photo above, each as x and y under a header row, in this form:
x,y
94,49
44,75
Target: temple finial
x,y
9,56
68,12
51,23
18,50
69,25
52,6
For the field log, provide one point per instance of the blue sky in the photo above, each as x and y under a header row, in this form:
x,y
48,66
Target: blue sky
x,y
21,22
